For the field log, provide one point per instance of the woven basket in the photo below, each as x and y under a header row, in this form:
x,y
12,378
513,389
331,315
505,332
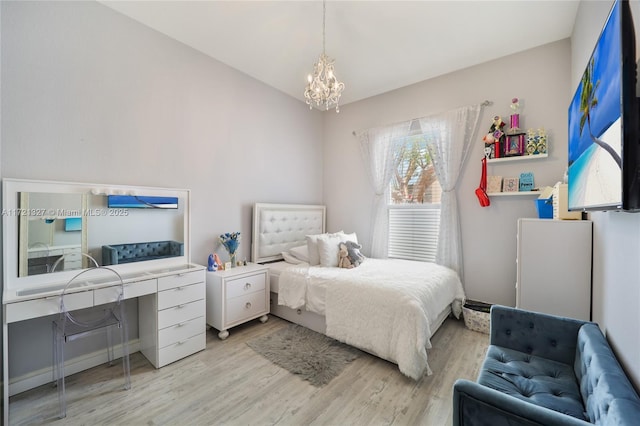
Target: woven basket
x,y
477,316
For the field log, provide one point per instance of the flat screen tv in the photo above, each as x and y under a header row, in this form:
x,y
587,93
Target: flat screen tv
x,y
604,122
141,202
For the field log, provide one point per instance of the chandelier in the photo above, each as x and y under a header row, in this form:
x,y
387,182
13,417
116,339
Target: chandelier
x,y
323,88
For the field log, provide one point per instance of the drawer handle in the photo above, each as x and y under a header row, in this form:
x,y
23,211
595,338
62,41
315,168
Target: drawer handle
x,y
179,288
180,324
247,286
179,306
248,305
181,275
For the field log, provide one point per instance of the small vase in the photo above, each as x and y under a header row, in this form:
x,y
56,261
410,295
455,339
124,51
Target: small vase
x,y
232,257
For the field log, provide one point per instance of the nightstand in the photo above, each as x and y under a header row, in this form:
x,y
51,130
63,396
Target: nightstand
x,y
236,296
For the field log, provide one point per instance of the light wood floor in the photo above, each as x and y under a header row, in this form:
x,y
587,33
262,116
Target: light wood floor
x,y
229,384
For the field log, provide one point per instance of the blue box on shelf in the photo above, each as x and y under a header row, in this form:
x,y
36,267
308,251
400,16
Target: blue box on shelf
x,y
545,208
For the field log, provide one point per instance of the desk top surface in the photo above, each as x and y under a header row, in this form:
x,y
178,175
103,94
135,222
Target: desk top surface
x,y
91,282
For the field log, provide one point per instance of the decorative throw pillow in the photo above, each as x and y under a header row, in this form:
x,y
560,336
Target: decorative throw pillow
x,y
328,249
312,246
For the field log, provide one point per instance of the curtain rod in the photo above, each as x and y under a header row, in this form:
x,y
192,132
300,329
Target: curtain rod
x,y
485,103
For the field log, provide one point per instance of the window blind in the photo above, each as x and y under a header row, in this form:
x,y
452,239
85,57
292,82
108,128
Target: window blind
x,y
413,233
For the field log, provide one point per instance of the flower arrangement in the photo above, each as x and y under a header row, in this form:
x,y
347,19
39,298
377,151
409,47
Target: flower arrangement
x,y
231,242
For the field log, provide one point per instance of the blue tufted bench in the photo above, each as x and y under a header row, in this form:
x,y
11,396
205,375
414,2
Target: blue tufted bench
x,y
546,370
135,252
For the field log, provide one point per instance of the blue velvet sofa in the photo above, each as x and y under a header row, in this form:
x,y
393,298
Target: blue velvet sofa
x,y
546,370
135,252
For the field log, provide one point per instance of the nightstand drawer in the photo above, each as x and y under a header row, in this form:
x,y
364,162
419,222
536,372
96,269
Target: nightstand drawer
x,y
181,349
246,285
180,313
181,331
165,283
180,295
245,307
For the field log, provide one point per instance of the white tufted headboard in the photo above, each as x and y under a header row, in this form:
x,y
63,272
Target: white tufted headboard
x,y
279,227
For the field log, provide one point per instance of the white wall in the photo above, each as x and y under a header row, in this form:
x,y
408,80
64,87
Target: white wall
x,y
539,77
92,96
616,241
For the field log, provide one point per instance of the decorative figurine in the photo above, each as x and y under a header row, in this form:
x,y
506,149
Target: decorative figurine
x,y
532,143
495,139
211,264
542,141
218,262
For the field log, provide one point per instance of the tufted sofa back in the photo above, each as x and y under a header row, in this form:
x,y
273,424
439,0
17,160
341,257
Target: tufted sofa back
x,y
607,394
531,333
125,253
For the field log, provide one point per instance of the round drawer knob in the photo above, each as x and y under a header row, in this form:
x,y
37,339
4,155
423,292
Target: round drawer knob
x,y
247,286
248,305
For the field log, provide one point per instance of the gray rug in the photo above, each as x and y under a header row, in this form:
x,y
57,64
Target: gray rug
x,y
313,356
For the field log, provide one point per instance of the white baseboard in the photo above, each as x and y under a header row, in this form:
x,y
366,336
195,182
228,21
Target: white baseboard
x,y
71,366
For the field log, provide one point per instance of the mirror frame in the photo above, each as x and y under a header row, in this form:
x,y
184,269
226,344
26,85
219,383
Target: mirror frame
x,y
11,188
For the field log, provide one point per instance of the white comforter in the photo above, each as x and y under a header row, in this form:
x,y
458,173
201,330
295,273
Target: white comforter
x,y
383,306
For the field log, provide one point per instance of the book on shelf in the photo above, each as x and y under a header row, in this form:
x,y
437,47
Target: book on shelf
x,y
494,184
510,184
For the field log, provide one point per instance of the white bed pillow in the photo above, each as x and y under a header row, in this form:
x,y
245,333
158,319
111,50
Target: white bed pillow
x,y
300,253
328,247
312,247
291,259
350,237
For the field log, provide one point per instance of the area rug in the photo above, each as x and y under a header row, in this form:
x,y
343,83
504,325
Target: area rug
x,y
310,355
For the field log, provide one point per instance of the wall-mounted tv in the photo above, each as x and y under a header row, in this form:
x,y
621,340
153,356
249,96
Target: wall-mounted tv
x,y
604,122
141,202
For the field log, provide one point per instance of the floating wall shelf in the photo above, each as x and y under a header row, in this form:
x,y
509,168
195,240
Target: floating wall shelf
x,y
517,158
513,194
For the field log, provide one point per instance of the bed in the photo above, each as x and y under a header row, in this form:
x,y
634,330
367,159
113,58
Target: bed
x,y
389,308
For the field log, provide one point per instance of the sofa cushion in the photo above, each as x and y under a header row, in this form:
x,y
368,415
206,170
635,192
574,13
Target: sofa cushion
x,y
540,381
608,394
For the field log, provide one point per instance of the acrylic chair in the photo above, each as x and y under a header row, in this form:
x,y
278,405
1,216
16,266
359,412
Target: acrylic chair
x,y
69,327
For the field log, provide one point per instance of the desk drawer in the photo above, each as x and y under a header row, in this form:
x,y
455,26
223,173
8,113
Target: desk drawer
x,y
180,295
181,349
246,285
245,307
47,306
131,290
165,283
181,331
180,313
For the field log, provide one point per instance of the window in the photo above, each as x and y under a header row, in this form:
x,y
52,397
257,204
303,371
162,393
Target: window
x,y
414,205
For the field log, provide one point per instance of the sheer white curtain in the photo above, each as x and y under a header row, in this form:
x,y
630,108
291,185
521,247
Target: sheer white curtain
x,y
449,137
378,148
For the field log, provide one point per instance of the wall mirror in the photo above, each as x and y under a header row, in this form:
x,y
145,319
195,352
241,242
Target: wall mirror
x,y
50,227
51,232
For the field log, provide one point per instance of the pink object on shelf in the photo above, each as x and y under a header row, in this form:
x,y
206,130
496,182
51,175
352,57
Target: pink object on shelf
x,y
515,121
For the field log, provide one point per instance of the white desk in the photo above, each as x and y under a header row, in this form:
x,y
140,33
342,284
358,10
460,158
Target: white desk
x,y
171,312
